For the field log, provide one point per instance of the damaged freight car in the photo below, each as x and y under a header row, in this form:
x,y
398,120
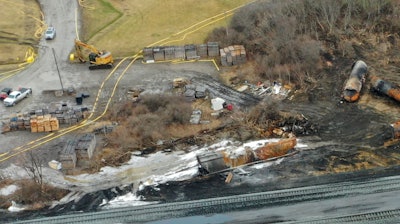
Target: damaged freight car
x,y
220,161
353,85
385,87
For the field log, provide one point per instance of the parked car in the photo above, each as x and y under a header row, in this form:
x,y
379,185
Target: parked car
x,y
16,96
4,93
50,33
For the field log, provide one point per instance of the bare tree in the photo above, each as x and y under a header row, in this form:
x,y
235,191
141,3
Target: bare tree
x,y
350,7
33,166
330,12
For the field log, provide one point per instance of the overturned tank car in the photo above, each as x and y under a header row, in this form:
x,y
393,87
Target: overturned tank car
x,y
385,87
353,85
220,161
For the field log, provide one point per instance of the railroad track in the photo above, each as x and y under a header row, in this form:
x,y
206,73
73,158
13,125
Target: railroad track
x,y
389,216
245,202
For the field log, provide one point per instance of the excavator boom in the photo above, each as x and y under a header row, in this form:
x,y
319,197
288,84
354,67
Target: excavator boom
x,y
98,59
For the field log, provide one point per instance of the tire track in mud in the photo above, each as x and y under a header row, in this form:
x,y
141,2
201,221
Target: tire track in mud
x,y
344,123
217,89
108,89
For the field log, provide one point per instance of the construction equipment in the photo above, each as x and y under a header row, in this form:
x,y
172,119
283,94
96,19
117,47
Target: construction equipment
x,y
98,59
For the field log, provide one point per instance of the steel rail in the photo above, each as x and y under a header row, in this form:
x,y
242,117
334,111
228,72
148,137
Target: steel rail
x,y
239,202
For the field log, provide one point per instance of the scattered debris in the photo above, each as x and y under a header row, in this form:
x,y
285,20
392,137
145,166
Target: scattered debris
x,y
275,89
195,117
70,90
180,82
104,129
242,88
134,94
217,103
194,91
59,93
200,92
396,129
229,178
54,164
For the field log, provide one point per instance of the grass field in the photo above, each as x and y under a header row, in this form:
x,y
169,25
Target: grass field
x,y
17,36
125,27
121,26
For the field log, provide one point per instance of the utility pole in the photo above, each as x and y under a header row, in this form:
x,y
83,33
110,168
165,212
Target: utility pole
x,y
226,24
58,71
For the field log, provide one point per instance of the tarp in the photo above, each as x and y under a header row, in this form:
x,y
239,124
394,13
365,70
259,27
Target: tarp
x,y
217,103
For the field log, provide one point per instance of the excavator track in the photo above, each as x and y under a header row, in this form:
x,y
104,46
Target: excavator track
x,y
95,67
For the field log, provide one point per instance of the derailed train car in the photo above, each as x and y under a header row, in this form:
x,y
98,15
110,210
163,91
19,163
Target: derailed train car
x,y
219,161
385,87
353,85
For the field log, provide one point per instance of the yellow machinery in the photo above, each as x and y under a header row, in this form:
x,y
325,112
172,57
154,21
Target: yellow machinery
x,y
98,59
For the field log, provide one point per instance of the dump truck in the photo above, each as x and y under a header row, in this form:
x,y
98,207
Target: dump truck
x,y
353,85
385,87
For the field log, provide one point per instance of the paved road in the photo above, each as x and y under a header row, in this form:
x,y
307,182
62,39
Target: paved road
x,y
42,74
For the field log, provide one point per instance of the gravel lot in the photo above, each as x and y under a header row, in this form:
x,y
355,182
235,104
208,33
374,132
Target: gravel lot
x,y
43,76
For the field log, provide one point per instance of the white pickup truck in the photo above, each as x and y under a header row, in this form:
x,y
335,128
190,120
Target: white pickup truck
x,y
15,96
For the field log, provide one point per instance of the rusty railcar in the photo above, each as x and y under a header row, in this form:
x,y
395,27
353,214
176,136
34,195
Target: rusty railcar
x,y
353,85
385,87
275,149
218,161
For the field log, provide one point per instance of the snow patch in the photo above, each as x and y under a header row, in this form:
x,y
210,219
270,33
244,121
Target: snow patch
x,y
8,190
15,207
267,164
126,200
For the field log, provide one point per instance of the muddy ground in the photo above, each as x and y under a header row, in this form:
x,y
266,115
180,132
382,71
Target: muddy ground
x,y
347,146
347,143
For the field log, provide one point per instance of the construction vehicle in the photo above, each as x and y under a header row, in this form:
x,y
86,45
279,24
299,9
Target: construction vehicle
x,y
98,59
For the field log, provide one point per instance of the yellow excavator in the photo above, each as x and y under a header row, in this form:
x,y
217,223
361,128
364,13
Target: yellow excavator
x,y
98,59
